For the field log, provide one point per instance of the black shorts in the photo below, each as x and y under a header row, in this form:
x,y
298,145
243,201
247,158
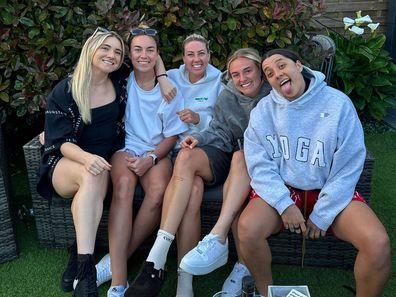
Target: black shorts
x,y
219,162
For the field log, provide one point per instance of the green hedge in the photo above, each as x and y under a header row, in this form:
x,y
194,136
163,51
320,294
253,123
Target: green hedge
x,y
40,40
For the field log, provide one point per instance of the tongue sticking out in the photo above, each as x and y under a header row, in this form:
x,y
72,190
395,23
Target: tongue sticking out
x,y
286,87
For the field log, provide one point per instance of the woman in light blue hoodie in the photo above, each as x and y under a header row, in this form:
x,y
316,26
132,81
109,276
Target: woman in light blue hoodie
x,y
305,151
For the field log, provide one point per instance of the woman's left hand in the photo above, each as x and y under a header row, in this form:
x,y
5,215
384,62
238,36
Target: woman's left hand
x,y
188,116
139,165
313,231
168,90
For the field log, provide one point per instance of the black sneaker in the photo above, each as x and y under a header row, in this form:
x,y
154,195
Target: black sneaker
x,y
70,272
148,283
86,277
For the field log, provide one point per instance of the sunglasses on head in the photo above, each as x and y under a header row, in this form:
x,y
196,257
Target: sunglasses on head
x,y
141,31
101,30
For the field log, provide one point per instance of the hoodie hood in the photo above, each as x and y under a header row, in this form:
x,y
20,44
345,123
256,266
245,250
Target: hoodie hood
x,y
242,99
316,83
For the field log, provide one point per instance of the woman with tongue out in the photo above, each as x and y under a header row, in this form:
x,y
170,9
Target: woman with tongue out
x,y
205,155
305,151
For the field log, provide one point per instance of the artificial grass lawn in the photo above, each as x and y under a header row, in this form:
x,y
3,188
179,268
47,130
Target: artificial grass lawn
x,y
37,271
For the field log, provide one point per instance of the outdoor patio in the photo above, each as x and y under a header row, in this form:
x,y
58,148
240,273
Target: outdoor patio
x,y
37,270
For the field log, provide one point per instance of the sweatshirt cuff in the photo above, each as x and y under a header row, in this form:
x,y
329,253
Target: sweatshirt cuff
x,y
319,222
282,204
198,137
202,124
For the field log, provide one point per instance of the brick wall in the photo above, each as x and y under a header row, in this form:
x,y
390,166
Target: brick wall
x,y
336,10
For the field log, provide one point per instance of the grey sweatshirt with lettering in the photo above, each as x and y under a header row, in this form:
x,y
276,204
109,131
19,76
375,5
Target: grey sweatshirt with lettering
x,y
313,142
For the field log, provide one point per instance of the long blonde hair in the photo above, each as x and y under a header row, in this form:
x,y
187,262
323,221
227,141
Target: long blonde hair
x,y
82,76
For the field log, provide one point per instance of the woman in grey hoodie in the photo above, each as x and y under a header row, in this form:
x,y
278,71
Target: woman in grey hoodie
x,y
206,154
305,152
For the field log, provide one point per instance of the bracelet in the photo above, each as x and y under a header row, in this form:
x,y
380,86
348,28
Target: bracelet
x,y
163,74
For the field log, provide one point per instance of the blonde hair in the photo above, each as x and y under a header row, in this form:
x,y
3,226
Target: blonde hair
x,y
195,37
82,76
248,53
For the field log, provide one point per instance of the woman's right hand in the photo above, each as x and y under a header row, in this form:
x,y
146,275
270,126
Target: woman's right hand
x,y
95,164
293,219
189,142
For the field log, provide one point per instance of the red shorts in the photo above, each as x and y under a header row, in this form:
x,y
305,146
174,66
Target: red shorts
x,y
311,196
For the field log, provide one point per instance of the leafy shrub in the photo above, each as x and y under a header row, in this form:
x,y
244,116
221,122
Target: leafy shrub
x,y
363,68
40,39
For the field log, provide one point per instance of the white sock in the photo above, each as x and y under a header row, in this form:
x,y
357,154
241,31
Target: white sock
x,y
184,284
159,251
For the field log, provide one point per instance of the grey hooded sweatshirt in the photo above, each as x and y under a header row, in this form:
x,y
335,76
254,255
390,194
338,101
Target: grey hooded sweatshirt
x,y
313,142
231,117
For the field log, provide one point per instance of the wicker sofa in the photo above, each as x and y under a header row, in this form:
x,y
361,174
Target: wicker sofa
x,y
55,227
8,247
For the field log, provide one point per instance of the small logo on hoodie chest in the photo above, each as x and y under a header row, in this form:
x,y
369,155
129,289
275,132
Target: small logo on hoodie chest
x,y
201,99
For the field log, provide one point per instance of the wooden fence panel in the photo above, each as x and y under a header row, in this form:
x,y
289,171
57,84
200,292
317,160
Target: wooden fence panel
x,y
336,10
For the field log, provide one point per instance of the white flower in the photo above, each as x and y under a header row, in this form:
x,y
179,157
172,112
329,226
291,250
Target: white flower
x,y
358,14
365,19
373,26
348,22
356,30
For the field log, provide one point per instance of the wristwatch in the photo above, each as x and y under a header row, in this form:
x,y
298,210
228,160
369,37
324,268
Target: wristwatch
x,y
154,157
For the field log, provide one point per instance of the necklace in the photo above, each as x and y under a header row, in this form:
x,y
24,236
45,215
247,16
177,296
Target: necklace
x,y
146,85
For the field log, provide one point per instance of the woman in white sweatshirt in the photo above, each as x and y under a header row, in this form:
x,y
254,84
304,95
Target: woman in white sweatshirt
x,y
199,84
305,151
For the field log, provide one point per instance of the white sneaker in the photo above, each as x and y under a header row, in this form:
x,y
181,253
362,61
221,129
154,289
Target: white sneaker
x,y
117,291
233,282
207,256
103,270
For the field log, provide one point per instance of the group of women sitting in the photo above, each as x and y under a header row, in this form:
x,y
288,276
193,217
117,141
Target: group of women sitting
x,y
288,148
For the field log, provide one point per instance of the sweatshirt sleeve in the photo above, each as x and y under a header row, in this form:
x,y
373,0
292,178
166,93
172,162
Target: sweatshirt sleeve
x,y
59,118
218,134
347,165
204,121
263,171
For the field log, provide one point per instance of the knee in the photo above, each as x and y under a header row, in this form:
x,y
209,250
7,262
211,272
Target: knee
x,y
246,231
374,247
183,161
238,160
155,194
98,183
379,248
123,188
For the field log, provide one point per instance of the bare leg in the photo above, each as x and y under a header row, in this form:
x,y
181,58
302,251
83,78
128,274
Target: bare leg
x,y
189,163
256,223
358,224
72,179
154,183
120,217
236,190
190,227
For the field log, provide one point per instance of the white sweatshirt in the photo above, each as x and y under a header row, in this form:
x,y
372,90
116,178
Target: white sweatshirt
x,y
200,97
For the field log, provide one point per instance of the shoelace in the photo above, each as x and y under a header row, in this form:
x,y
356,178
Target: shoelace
x,y
205,245
103,272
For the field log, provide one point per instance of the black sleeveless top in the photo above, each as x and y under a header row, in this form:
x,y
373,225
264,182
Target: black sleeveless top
x,y
98,137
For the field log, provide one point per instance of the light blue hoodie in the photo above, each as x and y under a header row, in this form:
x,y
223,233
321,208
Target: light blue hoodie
x,y
200,96
313,142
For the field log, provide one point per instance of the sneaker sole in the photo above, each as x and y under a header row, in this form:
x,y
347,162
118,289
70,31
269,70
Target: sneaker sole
x,y
201,270
66,286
